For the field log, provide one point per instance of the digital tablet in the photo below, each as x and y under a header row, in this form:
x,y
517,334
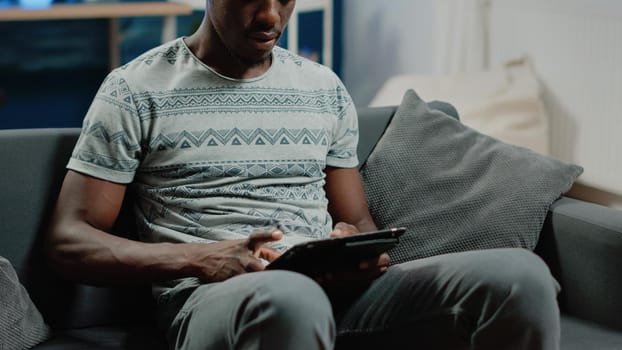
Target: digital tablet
x,y
338,253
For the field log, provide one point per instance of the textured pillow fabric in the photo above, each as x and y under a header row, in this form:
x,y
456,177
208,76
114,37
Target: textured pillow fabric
x,y
456,189
21,324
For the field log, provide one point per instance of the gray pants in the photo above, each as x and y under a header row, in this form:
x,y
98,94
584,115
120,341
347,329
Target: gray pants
x,y
491,299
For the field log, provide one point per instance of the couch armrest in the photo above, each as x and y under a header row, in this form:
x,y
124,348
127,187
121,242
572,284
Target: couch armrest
x,y
582,243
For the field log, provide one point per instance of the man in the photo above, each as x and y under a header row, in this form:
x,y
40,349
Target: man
x,y
237,149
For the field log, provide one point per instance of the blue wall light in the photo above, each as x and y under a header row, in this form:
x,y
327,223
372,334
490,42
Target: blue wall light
x,y
35,4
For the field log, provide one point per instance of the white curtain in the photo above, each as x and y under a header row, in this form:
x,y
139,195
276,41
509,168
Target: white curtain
x,y
461,36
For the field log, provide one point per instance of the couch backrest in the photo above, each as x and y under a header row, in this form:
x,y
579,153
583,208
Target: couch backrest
x,y
373,121
33,167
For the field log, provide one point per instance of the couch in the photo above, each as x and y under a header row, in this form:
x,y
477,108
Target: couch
x,y
580,241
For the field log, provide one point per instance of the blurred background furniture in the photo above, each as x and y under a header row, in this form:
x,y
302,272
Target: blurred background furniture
x,y
112,12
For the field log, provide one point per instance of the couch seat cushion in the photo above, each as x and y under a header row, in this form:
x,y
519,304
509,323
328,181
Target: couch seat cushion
x,y
581,335
135,337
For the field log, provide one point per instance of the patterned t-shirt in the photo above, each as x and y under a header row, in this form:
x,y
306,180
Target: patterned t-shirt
x,y
213,158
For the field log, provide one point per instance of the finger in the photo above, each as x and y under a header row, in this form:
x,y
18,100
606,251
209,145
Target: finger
x,y
259,238
253,264
384,260
343,229
380,261
267,253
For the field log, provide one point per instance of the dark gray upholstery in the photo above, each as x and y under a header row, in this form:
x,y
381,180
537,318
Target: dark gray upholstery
x,y
134,337
30,177
373,122
456,189
581,241
21,323
580,335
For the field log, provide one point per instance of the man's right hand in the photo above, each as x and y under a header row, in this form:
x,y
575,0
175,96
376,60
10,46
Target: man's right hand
x,y
222,260
80,247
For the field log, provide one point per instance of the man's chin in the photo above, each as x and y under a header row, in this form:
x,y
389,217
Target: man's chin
x,y
257,59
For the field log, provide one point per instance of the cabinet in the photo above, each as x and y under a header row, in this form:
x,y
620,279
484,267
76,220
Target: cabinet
x,y
111,11
295,36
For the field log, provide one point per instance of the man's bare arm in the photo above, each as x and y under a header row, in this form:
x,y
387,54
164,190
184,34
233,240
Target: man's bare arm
x,y
348,207
79,246
346,199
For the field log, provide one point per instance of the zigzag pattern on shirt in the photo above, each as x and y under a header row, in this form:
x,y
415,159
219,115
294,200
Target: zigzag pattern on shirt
x,y
157,211
288,221
114,90
98,130
170,54
284,55
309,192
127,166
240,99
302,230
280,215
351,132
342,154
284,220
194,216
238,137
250,168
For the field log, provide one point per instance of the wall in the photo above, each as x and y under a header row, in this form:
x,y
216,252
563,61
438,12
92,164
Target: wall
x,y
575,47
384,38
577,54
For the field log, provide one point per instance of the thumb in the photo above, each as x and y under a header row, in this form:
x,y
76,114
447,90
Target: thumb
x,y
259,238
343,229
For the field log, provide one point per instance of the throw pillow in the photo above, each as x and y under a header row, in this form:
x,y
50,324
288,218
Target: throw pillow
x,y
456,189
21,324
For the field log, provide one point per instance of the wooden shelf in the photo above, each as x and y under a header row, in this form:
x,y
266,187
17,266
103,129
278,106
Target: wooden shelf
x,y
95,10
111,11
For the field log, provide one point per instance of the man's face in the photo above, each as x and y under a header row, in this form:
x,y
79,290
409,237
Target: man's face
x,y
249,29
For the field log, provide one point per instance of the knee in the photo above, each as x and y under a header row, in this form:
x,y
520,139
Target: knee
x,y
290,309
526,276
293,295
287,300
524,286
519,303
264,310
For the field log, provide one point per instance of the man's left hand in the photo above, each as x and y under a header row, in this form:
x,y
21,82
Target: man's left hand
x,y
343,229
358,277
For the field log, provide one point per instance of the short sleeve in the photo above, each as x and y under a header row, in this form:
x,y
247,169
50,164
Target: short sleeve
x,y
342,152
109,146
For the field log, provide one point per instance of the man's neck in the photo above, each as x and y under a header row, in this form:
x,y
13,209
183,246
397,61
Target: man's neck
x,y
218,57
